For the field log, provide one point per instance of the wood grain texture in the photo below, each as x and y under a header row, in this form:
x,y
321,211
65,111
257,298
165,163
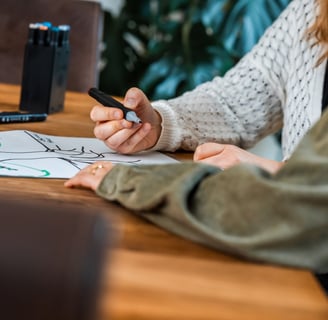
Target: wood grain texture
x,y
152,274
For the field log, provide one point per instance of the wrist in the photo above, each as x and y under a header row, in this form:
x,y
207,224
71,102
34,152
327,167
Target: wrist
x,y
273,166
156,127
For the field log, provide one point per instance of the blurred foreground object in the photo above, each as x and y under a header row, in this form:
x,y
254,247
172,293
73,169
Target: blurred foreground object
x,y
51,259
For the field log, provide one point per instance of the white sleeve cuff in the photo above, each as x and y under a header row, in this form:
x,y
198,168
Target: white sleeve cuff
x,y
170,138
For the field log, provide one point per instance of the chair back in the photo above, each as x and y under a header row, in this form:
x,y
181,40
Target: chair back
x,y
86,21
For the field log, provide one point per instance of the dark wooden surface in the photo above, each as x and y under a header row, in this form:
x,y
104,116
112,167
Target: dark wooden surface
x,y
152,274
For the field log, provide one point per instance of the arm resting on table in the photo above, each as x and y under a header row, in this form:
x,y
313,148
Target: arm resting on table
x,y
245,211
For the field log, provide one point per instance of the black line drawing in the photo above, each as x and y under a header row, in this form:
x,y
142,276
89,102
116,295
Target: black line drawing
x,y
43,151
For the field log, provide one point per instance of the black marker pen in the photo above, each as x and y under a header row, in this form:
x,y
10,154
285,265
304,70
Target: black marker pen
x,y
16,117
109,101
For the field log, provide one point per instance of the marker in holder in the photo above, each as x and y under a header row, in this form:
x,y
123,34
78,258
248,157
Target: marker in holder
x,y
45,68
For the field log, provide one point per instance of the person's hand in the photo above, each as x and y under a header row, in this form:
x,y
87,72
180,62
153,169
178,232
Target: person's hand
x,y
91,176
226,156
124,136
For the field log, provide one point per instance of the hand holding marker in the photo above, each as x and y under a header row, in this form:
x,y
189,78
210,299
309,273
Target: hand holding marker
x,y
108,101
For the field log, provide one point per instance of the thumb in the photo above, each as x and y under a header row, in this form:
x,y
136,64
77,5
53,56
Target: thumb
x,y
135,97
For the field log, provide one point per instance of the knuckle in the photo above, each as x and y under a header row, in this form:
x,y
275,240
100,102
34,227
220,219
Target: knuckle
x,y
127,147
100,132
124,149
94,113
97,132
112,145
110,113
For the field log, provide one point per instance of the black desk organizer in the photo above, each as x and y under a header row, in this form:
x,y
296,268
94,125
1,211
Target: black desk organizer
x,y
45,68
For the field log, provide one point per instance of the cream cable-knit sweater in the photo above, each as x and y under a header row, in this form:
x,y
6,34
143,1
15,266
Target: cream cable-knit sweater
x,y
276,85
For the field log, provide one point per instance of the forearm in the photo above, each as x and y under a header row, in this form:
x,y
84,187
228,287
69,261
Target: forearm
x,y
239,109
257,217
279,218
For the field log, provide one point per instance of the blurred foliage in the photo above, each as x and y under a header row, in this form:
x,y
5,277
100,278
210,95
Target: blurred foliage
x,y
169,47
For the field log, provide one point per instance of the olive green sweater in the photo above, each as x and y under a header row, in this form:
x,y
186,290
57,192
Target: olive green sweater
x,y
246,211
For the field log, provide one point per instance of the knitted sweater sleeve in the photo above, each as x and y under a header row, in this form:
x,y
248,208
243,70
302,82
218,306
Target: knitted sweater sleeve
x,y
243,106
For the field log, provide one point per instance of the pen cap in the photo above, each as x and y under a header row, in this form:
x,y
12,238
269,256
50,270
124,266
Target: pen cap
x,y
63,35
51,261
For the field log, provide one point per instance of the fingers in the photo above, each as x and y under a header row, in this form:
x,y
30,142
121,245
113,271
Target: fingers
x,y
110,126
105,130
82,180
130,141
207,150
226,156
91,176
101,113
124,136
135,98
220,155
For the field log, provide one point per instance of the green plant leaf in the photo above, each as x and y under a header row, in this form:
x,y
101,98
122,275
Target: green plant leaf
x,y
169,47
246,22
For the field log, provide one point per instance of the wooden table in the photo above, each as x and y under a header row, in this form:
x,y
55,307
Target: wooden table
x,y
153,274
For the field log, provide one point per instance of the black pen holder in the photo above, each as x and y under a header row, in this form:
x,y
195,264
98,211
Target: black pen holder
x,y
45,69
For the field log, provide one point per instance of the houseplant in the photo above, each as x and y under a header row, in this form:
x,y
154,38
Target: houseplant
x,y
169,47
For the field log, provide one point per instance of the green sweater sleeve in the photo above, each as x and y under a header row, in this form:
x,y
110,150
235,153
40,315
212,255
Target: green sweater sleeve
x,y
244,211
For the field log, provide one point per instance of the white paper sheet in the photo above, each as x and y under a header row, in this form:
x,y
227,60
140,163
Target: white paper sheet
x,y
31,154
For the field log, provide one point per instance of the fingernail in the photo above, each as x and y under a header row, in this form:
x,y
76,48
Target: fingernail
x,y
117,114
